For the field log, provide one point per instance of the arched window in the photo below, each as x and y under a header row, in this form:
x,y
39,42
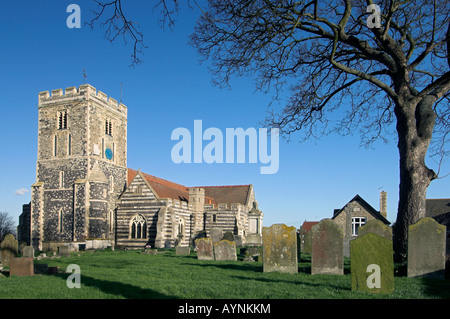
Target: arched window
x,y
138,227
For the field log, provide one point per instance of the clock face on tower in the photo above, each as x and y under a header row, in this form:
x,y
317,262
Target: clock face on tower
x,y
108,153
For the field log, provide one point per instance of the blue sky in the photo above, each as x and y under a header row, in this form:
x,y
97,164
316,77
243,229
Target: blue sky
x,y
169,90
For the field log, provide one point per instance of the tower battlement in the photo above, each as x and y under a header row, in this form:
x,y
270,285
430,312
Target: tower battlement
x,y
84,90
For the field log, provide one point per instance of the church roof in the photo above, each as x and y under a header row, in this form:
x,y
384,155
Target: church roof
x,y
213,194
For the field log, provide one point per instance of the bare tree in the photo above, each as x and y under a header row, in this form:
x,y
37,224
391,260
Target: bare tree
x,y
6,225
349,65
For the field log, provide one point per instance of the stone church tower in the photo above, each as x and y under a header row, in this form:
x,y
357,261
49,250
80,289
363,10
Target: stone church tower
x,y
81,168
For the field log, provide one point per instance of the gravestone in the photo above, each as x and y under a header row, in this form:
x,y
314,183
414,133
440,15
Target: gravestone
x,y
280,249
22,266
372,264
63,251
376,226
307,242
204,249
228,236
10,248
183,251
28,251
426,249
327,253
216,235
225,250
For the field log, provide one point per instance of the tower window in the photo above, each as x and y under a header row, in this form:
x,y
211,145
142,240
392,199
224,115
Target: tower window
x,y
62,120
108,127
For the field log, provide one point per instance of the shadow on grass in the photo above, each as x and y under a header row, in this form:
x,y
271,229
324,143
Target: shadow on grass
x,y
229,266
120,289
437,288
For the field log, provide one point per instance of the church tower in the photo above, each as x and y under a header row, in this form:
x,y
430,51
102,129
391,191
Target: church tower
x,y
81,168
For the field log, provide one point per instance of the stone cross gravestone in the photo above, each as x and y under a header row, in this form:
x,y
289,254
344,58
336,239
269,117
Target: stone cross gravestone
x,y
372,264
327,250
280,249
204,249
10,248
22,266
225,250
426,249
28,251
376,226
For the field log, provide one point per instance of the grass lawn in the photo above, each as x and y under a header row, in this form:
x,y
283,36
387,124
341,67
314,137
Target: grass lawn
x,y
132,275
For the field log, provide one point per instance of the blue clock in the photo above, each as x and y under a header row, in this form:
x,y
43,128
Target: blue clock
x,y
108,153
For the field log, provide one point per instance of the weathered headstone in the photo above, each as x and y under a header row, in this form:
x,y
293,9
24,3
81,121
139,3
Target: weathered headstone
x,y
216,235
183,251
225,250
63,251
307,242
372,264
228,236
22,266
280,249
28,251
10,248
204,249
376,226
327,254
426,249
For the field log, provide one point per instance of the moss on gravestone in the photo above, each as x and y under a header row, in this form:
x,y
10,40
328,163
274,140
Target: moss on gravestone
x,y
372,264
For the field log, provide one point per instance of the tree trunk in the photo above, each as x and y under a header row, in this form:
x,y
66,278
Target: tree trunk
x,y
415,122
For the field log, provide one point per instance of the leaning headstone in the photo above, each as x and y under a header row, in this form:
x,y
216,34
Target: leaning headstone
x,y
225,250
204,249
327,254
372,264
216,235
10,248
280,249
28,251
183,251
376,226
22,266
426,249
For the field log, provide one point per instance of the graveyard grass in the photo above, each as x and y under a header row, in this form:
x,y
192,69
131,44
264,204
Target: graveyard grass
x,y
132,275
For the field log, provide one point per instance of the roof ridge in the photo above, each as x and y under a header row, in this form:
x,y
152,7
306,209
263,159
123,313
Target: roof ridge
x,y
217,186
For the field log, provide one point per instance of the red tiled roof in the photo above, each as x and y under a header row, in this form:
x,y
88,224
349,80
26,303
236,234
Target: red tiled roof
x,y
213,194
307,225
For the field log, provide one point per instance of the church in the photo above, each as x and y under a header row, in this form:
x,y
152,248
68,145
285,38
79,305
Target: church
x,y
86,197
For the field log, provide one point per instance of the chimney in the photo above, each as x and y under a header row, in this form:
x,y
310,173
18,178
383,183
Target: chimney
x,y
383,204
